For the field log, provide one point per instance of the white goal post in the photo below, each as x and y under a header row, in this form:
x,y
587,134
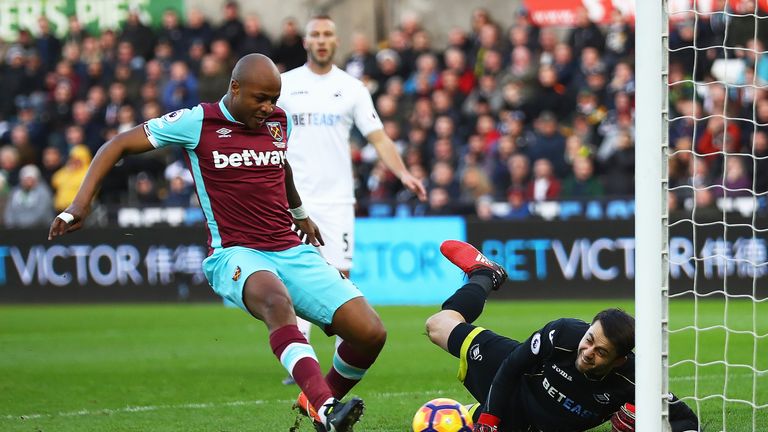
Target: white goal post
x,y
701,113
650,214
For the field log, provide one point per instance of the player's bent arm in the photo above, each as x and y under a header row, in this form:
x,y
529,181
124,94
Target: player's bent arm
x,y
294,200
388,153
307,229
132,141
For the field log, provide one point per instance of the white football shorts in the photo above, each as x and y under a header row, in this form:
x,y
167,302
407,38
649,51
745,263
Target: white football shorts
x,y
337,227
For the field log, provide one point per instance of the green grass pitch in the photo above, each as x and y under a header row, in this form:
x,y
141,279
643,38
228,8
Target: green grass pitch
x,y
209,368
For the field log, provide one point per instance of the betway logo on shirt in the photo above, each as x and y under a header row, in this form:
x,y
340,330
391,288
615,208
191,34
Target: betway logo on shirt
x,y
248,158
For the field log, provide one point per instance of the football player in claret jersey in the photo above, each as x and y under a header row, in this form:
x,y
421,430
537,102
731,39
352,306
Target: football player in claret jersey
x,y
236,151
569,375
324,103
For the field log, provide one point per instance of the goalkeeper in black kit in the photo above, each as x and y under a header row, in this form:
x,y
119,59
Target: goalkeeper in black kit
x,y
568,376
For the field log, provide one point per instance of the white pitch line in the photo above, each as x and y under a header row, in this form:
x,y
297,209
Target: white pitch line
x,y
194,406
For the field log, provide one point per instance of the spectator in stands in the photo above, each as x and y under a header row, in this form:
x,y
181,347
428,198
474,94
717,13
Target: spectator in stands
x,y
486,92
181,89
585,33
198,28
425,73
488,40
439,203
718,137
563,63
4,192
29,204
459,38
213,80
126,118
172,32
619,39
179,193
582,183
475,184
519,207
522,68
544,186
443,176
760,151
52,162
361,62
59,109
545,51
131,80
117,98
547,142
75,31
443,151
254,39
475,155
137,34
500,154
619,167
518,174
66,181
27,151
47,45
195,54
735,181
290,53
9,164
470,89
549,95
222,51
108,46
231,28
145,190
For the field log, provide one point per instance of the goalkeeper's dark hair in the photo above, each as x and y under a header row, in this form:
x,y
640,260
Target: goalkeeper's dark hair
x,y
619,328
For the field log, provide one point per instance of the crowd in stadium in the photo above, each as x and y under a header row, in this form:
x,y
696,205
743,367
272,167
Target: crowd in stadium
x,y
498,115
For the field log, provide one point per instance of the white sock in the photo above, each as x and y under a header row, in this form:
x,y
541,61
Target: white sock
x,y
321,412
305,327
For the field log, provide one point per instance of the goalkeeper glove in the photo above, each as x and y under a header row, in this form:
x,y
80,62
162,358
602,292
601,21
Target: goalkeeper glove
x,y
623,420
487,423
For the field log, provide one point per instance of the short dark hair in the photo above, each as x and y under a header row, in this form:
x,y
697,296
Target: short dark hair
x,y
619,328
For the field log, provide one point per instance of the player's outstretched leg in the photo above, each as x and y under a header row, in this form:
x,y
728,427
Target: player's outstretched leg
x,y
305,327
466,304
265,296
484,276
363,337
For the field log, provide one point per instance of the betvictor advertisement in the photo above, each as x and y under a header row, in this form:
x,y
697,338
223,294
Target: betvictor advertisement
x,y
578,259
397,261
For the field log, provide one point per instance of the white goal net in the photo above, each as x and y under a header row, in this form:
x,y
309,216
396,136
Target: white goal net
x,y
714,186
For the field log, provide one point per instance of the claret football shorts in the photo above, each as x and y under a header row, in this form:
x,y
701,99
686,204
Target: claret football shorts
x,y
316,288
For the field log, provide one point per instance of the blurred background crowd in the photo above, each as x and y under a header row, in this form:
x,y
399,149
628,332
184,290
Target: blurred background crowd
x,y
492,121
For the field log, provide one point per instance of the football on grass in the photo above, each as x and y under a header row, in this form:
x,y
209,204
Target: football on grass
x,y
442,415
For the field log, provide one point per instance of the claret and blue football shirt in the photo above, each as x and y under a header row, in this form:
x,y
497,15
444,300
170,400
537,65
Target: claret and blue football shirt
x,y
238,172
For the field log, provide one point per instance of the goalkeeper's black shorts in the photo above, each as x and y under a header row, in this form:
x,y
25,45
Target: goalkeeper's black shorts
x,y
480,353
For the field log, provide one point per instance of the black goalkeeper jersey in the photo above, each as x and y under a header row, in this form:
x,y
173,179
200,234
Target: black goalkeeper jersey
x,y
537,387
551,393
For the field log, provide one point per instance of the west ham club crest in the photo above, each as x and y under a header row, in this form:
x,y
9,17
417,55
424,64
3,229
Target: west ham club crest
x,y
276,130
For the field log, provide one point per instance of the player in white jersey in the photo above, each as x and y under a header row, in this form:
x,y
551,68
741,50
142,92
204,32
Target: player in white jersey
x,y
324,102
